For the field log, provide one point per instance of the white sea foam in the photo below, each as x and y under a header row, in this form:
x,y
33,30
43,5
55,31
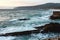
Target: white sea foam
x,y
15,29
37,18
7,38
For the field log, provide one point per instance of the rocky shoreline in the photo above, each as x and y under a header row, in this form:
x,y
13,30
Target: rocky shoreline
x,y
51,27
56,15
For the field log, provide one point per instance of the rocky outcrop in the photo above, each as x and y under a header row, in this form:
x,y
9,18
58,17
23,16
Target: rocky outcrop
x,y
20,33
52,27
56,15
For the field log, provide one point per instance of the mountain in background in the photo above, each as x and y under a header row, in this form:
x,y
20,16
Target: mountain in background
x,y
43,6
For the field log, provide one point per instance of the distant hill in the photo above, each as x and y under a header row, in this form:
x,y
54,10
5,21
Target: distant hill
x,y
43,6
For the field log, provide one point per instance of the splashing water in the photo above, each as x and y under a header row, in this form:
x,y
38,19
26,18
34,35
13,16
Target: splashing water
x,y
37,18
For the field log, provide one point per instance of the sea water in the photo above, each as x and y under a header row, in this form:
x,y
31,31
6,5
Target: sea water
x,y
36,18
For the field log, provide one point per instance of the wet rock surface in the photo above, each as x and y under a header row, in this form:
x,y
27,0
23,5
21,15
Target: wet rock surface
x,y
56,15
20,33
52,27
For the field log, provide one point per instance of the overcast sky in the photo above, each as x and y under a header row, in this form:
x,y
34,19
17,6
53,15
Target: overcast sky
x,y
14,3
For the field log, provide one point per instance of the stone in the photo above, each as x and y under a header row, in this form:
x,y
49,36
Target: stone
x,y
56,15
20,33
52,27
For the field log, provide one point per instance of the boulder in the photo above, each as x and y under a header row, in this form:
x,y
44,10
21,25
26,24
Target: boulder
x,y
52,27
56,15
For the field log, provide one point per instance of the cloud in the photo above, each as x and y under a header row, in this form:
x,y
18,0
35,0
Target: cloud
x,y
21,2
13,3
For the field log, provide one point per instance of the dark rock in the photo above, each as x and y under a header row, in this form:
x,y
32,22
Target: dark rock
x,y
52,27
39,28
24,19
20,33
56,15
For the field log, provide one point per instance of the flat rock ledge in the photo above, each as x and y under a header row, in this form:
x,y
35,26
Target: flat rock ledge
x,y
20,33
51,27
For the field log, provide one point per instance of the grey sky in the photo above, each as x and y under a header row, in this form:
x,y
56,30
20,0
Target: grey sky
x,y
14,3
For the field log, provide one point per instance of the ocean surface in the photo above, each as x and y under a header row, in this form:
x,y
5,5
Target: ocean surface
x,y
37,18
